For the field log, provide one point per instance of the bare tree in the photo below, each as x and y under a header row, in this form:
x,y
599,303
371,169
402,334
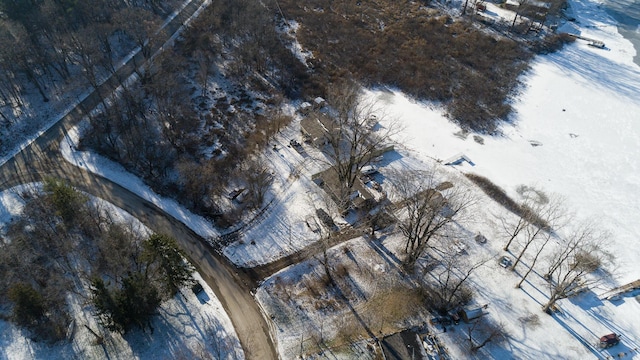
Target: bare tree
x,y
513,228
203,62
546,237
583,252
522,7
259,179
88,52
543,218
142,26
451,276
379,218
488,332
428,206
352,142
536,209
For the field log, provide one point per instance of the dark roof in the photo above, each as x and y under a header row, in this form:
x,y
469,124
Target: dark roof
x,y
402,346
316,127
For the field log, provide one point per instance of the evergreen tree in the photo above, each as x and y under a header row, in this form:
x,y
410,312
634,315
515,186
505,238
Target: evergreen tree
x,y
106,307
162,252
137,302
65,198
133,304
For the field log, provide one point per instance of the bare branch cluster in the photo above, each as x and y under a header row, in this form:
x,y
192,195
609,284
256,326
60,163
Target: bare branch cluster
x,y
428,206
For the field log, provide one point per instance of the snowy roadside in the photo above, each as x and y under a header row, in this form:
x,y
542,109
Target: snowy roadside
x,y
117,174
187,325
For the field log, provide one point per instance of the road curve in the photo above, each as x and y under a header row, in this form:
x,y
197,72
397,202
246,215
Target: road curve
x,y
42,158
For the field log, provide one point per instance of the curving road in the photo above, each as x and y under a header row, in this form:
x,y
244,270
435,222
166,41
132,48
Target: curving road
x,y
42,158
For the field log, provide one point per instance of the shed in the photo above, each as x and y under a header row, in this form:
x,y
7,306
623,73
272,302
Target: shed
x,y
470,314
318,103
404,345
305,108
458,159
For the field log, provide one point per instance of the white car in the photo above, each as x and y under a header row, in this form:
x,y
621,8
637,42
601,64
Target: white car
x,y
368,170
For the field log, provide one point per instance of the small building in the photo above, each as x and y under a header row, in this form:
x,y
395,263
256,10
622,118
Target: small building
x,y
470,314
458,159
235,193
305,108
318,103
405,345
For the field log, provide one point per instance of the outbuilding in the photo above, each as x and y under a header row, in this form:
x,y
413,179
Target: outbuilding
x,y
470,314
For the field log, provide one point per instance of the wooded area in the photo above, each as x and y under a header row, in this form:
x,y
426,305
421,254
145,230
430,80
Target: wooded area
x,y
63,243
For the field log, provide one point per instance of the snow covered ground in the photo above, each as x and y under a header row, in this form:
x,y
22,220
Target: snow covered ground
x,y
116,173
575,132
187,326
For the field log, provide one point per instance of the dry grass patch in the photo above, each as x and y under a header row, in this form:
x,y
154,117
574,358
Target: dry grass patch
x,y
425,53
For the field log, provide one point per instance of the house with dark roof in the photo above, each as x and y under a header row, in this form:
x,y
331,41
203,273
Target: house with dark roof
x,y
315,129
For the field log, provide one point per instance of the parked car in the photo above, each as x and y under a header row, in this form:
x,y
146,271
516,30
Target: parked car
x,y
369,170
197,288
327,220
294,143
609,340
505,261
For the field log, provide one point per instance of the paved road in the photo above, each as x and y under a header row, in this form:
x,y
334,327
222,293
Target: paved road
x,y
42,158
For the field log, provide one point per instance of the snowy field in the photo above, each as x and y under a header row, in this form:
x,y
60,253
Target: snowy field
x,y
576,132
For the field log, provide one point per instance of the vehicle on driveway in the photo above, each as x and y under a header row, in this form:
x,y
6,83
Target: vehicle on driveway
x,y
505,261
369,170
609,340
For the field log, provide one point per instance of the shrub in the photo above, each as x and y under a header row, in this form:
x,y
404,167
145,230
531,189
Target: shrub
x,y
500,196
424,53
29,307
552,43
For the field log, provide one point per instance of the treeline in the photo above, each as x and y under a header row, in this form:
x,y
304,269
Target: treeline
x,y
53,43
418,49
65,244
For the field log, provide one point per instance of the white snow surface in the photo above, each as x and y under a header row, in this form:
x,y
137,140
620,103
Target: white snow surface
x,y
575,132
187,326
